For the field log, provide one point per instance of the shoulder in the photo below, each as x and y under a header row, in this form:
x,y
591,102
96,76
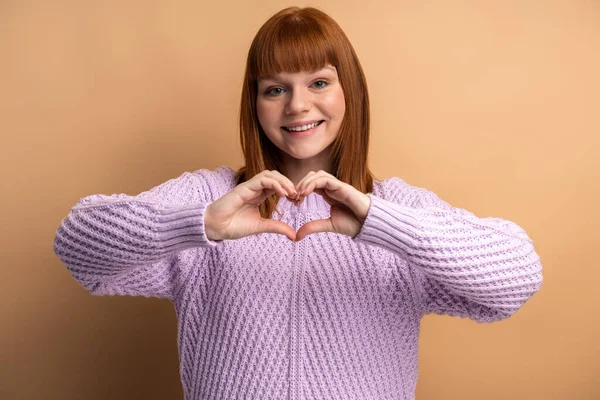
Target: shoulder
x,y
185,188
214,183
399,191
190,187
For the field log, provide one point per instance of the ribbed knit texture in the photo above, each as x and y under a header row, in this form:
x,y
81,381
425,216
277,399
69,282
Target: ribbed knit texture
x,y
327,318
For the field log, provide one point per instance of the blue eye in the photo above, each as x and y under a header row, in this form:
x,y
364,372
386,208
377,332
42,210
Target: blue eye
x,y
270,92
320,84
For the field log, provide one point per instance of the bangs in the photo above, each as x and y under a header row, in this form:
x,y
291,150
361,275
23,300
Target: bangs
x,y
292,46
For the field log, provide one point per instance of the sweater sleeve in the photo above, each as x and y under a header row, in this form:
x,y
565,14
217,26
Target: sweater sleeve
x,y
143,245
484,269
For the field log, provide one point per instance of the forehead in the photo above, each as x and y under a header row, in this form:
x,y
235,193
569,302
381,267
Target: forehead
x,y
287,75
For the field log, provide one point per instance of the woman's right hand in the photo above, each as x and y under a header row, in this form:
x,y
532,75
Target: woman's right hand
x,y
236,214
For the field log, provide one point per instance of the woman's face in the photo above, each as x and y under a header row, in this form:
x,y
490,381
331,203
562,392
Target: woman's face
x,y
295,101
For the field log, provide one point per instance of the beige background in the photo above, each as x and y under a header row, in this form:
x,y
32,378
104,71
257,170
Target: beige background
x,y
492,105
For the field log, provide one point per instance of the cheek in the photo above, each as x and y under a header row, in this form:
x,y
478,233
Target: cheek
x,y
260,110
265,112
336,104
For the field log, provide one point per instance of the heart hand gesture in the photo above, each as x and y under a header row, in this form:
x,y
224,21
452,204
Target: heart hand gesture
x,y
349,206
236,214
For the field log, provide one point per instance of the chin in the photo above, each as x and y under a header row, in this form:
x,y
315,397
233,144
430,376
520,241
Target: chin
x,y
300,154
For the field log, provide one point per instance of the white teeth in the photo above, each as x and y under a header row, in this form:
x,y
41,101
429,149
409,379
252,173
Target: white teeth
x,y
303,127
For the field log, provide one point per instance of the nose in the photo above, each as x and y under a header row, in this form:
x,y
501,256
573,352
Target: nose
x,y
298,102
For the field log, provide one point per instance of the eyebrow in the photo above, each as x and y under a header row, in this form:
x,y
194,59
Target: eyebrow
x,y
319,69
310,72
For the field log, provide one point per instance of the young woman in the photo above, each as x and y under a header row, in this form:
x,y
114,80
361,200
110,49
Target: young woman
x,y
300,276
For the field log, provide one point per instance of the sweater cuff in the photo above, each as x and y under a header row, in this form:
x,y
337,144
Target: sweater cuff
x,y
184,226
390,226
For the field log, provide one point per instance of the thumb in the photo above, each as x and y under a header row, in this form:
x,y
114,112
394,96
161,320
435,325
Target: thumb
x,y
314,226
273,226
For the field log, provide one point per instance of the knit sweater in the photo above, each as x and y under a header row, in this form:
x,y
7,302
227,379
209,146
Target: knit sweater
x,y
327,318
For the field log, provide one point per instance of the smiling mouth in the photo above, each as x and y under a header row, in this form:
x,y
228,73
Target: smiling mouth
x,y
302,130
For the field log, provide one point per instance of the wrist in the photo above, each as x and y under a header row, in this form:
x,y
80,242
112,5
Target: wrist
x,y
366,205
209,230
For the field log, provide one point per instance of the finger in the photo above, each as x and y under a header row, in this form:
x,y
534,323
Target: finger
x,y
317,225
285,182
303,180
329,183
275,185
260,189
273,226
336,195
326,197
287,185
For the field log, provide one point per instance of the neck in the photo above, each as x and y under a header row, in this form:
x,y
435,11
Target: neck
x,y
297,169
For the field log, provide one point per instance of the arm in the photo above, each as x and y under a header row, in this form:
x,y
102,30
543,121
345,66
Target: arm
x,y
484,269
140,245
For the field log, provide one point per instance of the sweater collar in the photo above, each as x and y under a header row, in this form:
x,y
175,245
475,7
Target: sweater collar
x,y
312,203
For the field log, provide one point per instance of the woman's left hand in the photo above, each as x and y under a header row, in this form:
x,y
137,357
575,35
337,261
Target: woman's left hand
x,y
349,206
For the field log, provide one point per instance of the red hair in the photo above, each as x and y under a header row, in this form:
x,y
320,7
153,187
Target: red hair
x,y
305,39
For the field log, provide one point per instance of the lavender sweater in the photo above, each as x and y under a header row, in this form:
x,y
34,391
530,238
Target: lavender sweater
x,y
330,317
